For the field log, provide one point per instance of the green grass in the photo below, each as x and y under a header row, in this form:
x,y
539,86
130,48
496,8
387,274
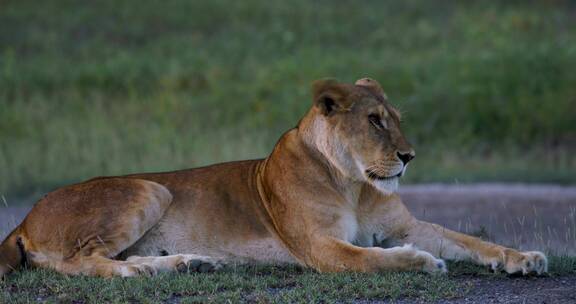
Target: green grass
x,y
263,284
107,87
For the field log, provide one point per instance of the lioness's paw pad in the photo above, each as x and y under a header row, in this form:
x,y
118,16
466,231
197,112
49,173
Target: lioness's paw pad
x,y
438,267
535,262
527,263
136,270
197,265
432,265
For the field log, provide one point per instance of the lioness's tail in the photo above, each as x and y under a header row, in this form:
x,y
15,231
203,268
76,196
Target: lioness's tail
x,y
11,255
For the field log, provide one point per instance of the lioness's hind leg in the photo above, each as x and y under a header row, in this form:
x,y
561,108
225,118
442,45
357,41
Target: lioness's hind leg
x,y
179,262
102,267
80,229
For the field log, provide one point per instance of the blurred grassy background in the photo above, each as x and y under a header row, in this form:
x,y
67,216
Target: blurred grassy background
x,y
488,88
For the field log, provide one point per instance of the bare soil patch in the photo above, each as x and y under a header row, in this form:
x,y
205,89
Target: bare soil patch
x,y
519,290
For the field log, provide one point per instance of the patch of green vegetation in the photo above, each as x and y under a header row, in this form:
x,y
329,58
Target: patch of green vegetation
x,y
562,265
248,284
264,284
107,87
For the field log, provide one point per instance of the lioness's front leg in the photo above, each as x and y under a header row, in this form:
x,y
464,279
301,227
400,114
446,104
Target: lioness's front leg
x,y
329,254
448,244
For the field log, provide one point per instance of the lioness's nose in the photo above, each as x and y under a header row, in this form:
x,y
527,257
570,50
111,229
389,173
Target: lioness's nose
x,y
405,157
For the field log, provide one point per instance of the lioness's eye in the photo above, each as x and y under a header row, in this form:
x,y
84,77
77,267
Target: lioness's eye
x,y
376,121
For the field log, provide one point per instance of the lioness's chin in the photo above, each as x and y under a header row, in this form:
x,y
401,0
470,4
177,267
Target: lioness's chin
x,y
386,186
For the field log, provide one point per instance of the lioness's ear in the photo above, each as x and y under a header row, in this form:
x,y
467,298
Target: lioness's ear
x,y
330,95
372,85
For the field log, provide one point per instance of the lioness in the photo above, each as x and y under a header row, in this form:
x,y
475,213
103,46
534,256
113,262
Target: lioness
x,y
324,198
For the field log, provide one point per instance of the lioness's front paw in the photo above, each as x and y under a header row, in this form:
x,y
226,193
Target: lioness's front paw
x,y
198,264
525,262
432,264
135,270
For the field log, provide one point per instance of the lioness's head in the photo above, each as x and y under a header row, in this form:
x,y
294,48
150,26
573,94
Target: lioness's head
x,y
358,131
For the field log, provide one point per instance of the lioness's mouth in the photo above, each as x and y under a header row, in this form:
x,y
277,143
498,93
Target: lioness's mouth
x,y
374,176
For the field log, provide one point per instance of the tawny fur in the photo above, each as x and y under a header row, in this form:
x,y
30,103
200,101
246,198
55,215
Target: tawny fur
x,y
324,198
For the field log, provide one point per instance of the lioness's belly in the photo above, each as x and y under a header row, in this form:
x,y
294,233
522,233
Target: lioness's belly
x,y
214,213
172,235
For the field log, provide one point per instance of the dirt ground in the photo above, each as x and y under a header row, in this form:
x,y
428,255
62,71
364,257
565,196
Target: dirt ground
x,y
521,290
556,290
528,217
